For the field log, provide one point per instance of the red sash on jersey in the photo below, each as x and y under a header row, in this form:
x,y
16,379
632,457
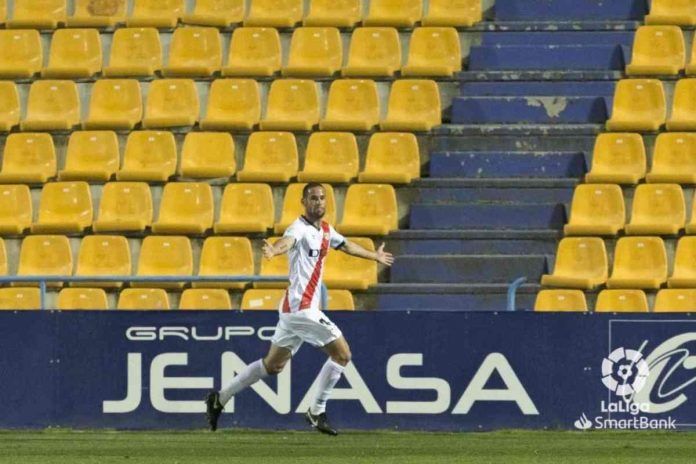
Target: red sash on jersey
x,y
308,294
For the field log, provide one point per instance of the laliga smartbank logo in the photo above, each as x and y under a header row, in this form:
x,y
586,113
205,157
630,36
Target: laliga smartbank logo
x,y
625,373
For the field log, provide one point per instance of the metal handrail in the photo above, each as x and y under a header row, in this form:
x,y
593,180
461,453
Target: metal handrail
x,y
512,293
42,280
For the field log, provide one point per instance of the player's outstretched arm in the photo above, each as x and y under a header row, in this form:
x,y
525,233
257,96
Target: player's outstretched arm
x,y
278,248
380,255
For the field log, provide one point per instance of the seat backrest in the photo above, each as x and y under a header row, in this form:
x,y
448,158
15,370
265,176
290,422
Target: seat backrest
x,y
20,298
115,9
205,298
253,47
136,47
226,256
659,44
685,257
619,152
158,8
187,201
150,150
82,299
77,47
675,300
54,100
393,151
275,12
276,266
126,203
435,46
234,100
316,46
15,206
394,12
116,102
659,203
208,149
172,97
104,255
340,300
293,99
66,202
344,265
40,10
640,256
582,257
196,45
640,97
165,255
371,203
674,152
353,99
375,46
271,151
21,53
621,301
9,105
92,151
242,202
29,152
45,255
560,300
336,151
262,299
684,104
143,299
337,13
417,99
598,203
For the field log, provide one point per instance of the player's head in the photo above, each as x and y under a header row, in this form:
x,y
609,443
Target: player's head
x,y
314,200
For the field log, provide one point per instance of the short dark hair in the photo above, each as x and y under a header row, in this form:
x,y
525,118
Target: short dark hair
x,y
308,187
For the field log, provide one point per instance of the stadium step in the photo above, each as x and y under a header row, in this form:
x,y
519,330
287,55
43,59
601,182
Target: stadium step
x,y
548,57
570,10
538,89
558,38
529,110
508,164
528,194
487,216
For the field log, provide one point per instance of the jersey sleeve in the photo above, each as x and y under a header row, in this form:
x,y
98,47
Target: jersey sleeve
x,y
294,231
336,240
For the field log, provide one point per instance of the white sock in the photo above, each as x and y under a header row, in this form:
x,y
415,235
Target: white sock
x,y
328,377
249,376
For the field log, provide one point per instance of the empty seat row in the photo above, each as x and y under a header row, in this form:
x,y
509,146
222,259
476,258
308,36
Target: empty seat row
x,y
187,208
677,12
658,209
639,262
172,256
293,104
620,158
269,157
28,298
667,300
197,52
640,105
48,14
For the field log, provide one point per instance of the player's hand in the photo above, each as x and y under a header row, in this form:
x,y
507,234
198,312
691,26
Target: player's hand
x,y
384,257
268,252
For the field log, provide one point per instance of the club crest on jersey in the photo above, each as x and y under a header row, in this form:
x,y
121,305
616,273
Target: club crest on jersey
x,y
313,253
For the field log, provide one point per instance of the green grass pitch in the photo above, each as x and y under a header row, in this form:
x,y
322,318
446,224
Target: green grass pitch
x,y
251,447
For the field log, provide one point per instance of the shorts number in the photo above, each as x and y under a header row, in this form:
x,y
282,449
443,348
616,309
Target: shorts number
x,y
325,322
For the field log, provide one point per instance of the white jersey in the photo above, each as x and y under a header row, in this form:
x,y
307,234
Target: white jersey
x,y
306,259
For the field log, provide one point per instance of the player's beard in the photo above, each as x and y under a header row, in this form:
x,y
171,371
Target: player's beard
x,y
315,216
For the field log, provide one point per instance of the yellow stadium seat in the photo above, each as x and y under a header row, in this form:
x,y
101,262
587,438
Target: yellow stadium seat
x,y
370,209
20,298
186,208
246,208
75,53
330,157
45,255
396,13
21,55
15,209
208,155
314,52
52,105
270,157
3,258
115,104
414,105
597,209
374,51
621,301
156,13
675,301
639,105
216,13
674,159
91,155
639,262
65,207
135,52
171,103
195,52
677,12
82,299
691,226
353,105
617,158
293,209
458,13
143,299
103,256
340,300
657,50
293,104
233,104
684,275
254,51
205,299
334,13
275,13
392,158
38,14
433,51
164,256
658,209
691,67
98,13
266,299
3,11
581,262
9,106
683,117
276,266
124,207
28,158
149,156
350,272
226,256
560,300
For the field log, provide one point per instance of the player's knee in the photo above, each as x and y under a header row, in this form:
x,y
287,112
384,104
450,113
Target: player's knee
x,y
274,368
342,358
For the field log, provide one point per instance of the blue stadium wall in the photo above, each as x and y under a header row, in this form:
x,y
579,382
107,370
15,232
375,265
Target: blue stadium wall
x,y
458,371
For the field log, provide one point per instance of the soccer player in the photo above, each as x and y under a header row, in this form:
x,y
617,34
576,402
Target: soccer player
x,y
307,242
